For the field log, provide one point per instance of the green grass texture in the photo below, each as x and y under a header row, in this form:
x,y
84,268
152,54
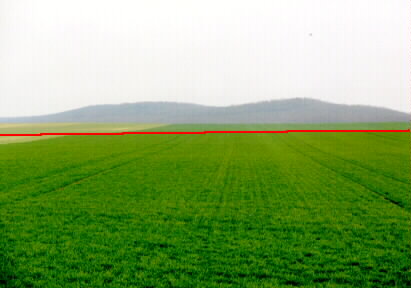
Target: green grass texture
x,y
214,210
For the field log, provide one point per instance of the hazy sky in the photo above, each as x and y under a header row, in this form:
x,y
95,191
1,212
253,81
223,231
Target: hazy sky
x,y
57,55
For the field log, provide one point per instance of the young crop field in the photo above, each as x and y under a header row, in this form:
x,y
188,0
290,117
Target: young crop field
x,y
214,210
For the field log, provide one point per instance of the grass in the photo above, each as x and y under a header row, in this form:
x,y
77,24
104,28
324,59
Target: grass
x,y
215,210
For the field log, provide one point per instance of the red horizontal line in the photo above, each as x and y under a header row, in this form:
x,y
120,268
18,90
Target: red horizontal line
x,y
206,132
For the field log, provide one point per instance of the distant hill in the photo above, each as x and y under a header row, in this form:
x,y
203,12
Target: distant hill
x,y
295,110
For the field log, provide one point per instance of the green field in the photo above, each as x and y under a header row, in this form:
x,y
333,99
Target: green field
x,y
215,210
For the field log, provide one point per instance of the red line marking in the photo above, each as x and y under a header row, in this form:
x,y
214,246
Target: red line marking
x,y
207,132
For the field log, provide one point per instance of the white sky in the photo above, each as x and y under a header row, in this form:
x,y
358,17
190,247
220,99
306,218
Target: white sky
x,y
57,55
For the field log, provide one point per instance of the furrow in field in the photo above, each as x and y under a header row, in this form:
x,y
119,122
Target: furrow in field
x,y
69,168
137,180
266,178
221,177
382,158
356,163
386,137
110,169
352,177
214,171
285,174
62,180
367,152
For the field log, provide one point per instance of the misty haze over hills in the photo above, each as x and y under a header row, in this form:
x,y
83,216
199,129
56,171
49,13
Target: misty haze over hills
x,y
297,110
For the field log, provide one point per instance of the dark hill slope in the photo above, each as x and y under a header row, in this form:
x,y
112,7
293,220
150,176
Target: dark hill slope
x,y
279,111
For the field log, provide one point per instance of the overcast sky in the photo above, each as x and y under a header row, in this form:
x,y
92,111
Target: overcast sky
x,y
57,55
